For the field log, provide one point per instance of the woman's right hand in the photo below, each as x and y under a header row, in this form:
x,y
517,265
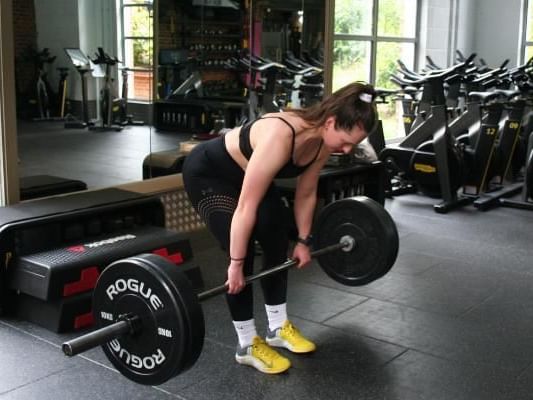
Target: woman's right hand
x,y
235,282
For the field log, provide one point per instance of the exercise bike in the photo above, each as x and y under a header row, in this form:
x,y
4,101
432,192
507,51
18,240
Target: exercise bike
x,y
82,64
443,163
109,103
120,107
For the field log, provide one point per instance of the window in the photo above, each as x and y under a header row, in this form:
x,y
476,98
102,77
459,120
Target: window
x,y
369,36
527,34
136,44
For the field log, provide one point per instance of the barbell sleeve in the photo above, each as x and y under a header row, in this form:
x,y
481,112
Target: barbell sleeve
x,y
99,337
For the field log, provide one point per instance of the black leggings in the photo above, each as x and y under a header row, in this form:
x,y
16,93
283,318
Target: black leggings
x,y
213,181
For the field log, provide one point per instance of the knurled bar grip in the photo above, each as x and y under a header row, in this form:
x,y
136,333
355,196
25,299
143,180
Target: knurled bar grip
x,y
286,265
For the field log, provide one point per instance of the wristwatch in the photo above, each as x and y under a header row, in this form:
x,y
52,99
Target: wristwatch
x,y
307,241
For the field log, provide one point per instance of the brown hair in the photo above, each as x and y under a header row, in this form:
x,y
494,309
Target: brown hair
x,y
346,106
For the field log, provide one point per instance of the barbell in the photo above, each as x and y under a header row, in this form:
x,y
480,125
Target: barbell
x,y
149,319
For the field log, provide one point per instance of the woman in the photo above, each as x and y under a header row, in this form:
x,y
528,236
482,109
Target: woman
x,y
230,181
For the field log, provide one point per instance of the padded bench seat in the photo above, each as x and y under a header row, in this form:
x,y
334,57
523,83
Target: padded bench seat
x,y
36,186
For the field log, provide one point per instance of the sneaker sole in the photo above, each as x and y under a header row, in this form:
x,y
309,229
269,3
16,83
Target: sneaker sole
x,y
253,362
278,342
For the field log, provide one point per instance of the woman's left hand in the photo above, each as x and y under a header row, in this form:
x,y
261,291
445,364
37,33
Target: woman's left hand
x,y
302,253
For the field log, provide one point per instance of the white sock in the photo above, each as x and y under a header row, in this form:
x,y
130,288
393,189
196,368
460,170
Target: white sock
x,y
276,315
245,331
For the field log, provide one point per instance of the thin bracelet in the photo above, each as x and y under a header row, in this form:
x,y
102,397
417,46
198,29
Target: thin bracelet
x,y
237,259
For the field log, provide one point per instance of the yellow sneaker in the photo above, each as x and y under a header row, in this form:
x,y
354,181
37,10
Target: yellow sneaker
x,y
262,357
289,337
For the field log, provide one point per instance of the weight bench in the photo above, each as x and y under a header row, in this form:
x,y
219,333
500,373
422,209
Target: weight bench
x,y
163,163
56,248
33,187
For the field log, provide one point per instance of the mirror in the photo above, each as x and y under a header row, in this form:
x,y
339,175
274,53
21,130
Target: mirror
x,y
72,134
198,83
294,26
207,59
223,62
287,53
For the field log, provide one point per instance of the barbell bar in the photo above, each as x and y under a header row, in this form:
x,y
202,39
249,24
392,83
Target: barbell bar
x,y
129,324
149,318
345,242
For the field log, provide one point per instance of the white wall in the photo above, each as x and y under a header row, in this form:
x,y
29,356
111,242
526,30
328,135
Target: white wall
x,y
435,31
57,28
466,24
491,28
97,28
84,24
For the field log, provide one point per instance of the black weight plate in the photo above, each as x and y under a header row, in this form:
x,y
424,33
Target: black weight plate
x,y
191,306
375,235
156,290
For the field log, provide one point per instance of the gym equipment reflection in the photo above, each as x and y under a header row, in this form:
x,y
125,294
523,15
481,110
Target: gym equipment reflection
x,y
235,61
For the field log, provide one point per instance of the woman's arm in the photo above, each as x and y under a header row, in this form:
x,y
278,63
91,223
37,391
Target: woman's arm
x,y
304,206
271,151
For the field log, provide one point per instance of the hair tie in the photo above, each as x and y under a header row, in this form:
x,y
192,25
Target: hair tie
x,y
366,97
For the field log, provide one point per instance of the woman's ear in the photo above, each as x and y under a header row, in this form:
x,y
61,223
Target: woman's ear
x,y
330,122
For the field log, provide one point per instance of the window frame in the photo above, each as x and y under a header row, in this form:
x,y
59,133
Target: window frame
x,y
9,170
122,5
523,37
374,38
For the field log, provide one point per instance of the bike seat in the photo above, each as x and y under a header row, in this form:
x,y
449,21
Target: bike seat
x,y
482,97
508,94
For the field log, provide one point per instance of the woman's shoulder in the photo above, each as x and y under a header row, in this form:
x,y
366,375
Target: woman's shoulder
x,y
287,119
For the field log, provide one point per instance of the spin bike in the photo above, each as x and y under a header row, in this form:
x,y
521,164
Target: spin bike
x,y
109,104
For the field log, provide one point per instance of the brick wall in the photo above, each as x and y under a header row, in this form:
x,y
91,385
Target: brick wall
x,y
25,36
142,85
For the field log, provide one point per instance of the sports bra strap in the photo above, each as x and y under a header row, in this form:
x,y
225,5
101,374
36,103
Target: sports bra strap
x,y
246,147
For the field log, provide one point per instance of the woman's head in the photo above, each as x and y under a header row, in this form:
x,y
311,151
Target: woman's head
x,y
350,106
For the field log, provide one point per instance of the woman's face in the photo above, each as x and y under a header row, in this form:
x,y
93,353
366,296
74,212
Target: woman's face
x,y
341,140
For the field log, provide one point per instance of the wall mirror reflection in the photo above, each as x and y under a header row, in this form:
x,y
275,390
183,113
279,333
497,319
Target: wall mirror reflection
x,y
287,54
104,87
83,91
223,62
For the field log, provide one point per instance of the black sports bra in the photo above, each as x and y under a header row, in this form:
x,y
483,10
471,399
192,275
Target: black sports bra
x,y
289,170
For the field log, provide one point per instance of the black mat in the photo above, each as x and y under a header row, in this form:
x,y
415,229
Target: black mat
x,y
452,320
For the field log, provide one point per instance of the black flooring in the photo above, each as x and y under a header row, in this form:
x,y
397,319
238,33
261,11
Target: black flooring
x,y
452,320
100,159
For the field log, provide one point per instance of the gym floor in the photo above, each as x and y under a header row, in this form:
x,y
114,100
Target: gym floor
x,y
100,159
450,321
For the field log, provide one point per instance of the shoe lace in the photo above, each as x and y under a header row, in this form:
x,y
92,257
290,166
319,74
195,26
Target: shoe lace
x,y
265,352
291,331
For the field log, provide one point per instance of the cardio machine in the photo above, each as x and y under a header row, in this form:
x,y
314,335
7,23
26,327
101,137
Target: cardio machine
x,y
82,64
